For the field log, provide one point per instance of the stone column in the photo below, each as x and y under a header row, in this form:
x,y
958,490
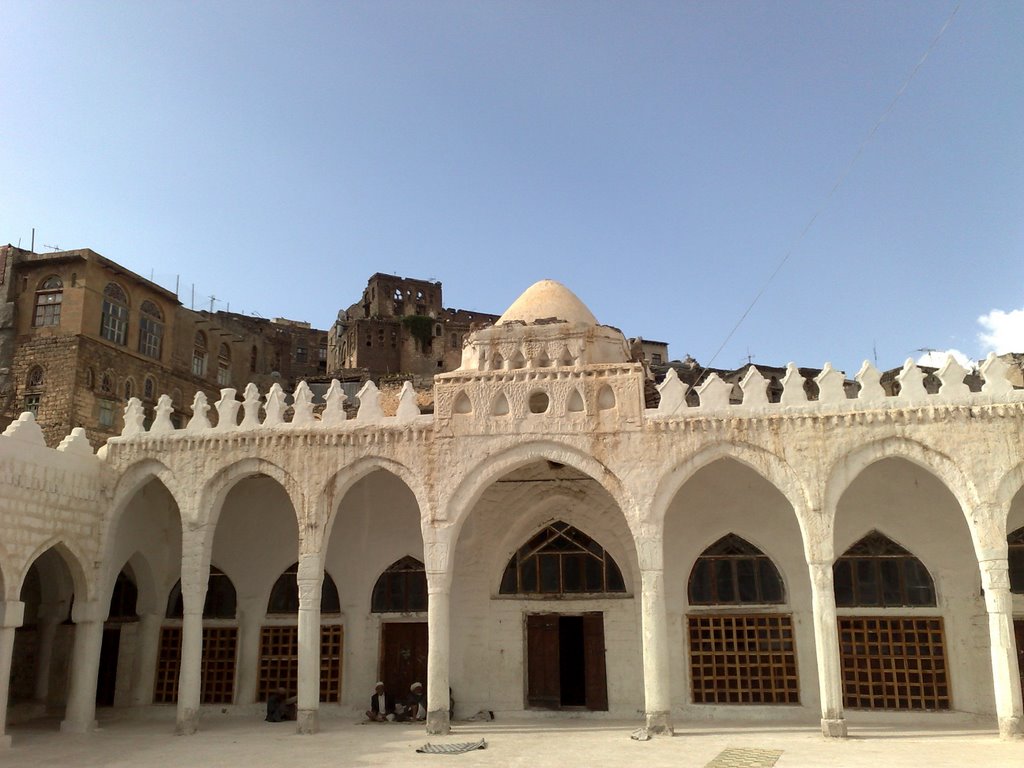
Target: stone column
x,y
148,643
47,619
439,581
80,715
310,578
195,575
11,615
826,645
995,579
654,625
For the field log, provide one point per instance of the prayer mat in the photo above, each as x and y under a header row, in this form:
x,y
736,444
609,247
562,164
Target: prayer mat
x,y
736,757
452,749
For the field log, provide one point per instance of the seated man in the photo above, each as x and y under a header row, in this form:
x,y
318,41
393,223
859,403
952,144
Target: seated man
x,y
280,706
382,708
416,703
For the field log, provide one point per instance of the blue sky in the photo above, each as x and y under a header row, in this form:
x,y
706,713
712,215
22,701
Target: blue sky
x,y
658,158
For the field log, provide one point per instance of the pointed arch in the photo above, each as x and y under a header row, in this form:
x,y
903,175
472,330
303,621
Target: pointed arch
x,y
216,489
500,406
400,588
877,572
732,571
561,559
221,597
284,595
478,477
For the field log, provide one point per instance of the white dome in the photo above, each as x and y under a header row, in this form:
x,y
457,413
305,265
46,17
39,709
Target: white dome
x,y
548,300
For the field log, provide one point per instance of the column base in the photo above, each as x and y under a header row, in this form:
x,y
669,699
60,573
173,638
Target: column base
x,y
73,726
1011,728
437,722
307,721
833,728
658,723
187,723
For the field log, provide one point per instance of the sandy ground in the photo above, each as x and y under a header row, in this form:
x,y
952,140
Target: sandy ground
x,y
934,741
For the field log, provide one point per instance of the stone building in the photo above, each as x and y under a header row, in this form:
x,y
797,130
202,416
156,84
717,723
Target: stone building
x,y
542,541
400,326
80,335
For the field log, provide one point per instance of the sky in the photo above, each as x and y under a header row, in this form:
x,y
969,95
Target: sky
x,y
662,159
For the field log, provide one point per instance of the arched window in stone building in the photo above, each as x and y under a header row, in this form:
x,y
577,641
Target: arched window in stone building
x,y
107,383
732,571
33,390
114,318
49,297
284,597
220,644
279,642
199,352
402,588
747,658
889,659
1015,555
224,366
149,388
34,380
558,560
253,358
129,389
151,330
876,572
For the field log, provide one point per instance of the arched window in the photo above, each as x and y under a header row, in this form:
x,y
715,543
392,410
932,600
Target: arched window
x,y
107,384
402,588
284,597
220,598
148,388
90,378
124,598
129,389
559,560
34,380
253,356
114,320
1016,557
455,341
49,297
151,330
224,366
199,355
876,572
732,571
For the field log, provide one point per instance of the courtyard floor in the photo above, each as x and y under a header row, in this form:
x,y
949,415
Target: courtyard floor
x,y
933,741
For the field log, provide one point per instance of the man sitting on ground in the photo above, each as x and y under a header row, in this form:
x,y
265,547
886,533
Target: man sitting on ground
x,y
382,708
416,703
280,706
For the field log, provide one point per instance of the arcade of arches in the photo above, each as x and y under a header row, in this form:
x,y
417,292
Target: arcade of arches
x,y
592,555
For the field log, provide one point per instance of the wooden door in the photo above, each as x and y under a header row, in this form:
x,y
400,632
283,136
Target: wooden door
x,y
403,657
1018,630
542,668
593,661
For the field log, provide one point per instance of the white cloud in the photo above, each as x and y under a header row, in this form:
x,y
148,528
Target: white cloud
x,y
936,358
1003,331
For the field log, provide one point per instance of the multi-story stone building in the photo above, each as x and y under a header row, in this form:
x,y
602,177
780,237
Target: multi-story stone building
x,y
80,335
543,540
400,326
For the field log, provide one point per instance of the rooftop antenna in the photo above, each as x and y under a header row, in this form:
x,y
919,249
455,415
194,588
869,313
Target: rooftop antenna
x,y
212,299
51,247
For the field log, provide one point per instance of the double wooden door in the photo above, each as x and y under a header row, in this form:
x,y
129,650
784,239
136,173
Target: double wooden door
x,y
565,661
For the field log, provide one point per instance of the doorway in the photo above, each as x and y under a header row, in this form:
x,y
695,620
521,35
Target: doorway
x,y
403,657
565,661
106,682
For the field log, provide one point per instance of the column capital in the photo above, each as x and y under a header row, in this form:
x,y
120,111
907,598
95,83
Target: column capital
x,y
650,551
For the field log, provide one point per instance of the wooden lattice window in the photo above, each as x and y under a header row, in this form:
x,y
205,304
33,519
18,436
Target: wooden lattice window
x,y
402,588
220,653
877,572
220,603
893,662
1015,555
732,571
743,659
279,660
284,596
561,559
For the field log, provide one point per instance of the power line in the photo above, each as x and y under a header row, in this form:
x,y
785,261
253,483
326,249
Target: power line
x,y
839,182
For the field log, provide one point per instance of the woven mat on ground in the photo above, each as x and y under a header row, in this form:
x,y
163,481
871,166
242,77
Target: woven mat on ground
x,y
452,749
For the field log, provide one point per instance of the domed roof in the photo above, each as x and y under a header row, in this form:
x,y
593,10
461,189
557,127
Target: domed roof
x,y
548,300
